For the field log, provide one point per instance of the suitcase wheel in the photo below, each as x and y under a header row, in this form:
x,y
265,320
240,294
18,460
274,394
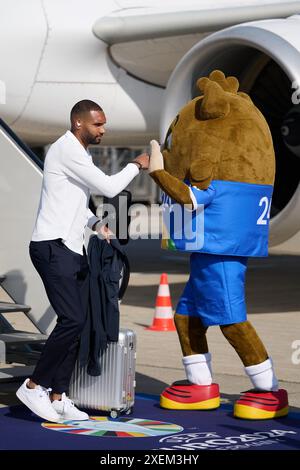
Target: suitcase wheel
x,y
114,414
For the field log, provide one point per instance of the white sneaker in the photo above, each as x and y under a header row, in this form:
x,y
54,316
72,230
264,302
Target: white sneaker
x,y
38,401
66,409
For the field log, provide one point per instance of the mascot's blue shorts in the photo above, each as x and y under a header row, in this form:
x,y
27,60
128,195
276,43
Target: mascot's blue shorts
x,y
215,290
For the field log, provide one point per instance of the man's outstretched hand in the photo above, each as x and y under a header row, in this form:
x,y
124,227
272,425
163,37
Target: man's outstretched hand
x,y
143,159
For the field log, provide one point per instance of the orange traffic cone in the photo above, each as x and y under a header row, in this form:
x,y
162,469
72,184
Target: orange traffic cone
x,y
163,317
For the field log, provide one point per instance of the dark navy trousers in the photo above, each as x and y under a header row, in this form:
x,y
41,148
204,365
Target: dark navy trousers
x,y
65,275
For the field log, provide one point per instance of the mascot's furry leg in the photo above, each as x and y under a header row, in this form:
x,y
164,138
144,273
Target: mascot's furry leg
x,y
199,393
265,401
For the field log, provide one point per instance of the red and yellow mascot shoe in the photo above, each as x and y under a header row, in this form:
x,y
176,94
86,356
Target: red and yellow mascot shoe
x,y
184,395
262,405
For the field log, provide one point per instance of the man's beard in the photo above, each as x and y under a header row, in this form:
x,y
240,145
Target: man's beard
x,y
94,140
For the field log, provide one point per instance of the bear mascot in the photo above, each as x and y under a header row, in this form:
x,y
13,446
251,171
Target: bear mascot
x,y
218,166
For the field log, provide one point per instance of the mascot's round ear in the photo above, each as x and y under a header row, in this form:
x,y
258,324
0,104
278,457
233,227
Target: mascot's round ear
x,y
230,84
233,84
202,83
214,104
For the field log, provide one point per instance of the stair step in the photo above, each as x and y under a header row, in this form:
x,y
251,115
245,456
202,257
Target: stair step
x,y
7,307
2,278
22,337
21,347
9,372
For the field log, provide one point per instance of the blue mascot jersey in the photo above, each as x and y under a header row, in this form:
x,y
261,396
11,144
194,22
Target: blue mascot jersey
x,y
230,218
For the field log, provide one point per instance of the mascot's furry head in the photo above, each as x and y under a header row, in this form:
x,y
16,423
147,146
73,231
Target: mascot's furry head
x,y
220,135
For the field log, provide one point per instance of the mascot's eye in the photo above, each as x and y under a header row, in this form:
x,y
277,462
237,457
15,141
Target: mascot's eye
x,y
168,142
168,139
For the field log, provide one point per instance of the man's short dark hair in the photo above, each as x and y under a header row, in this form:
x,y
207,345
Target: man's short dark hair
x,y
82,107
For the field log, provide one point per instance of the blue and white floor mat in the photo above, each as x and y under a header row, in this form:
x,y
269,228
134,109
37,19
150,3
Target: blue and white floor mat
x,y
149,428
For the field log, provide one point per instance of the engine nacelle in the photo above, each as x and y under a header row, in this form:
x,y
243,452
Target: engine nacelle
x,y
265,57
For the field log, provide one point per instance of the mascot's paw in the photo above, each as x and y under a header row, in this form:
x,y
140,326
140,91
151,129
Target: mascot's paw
x,y
156,157
184,395
262,405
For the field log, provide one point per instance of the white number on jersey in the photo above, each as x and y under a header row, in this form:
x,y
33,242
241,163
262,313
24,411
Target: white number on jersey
x,y
265,215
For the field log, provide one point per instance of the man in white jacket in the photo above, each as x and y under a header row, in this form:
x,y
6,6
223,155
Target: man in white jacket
x,y
58,253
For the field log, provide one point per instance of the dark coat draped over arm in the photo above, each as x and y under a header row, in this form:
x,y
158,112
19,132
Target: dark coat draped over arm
x,y
108,263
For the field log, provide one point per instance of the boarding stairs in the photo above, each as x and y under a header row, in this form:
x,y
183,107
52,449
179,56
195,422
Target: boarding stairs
x,y
23,328
19,350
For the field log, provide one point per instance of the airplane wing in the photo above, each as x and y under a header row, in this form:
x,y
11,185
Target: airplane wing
x,y
149,42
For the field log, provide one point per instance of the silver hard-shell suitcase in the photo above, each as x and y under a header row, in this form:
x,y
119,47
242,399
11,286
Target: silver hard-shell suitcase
x,y
113,390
